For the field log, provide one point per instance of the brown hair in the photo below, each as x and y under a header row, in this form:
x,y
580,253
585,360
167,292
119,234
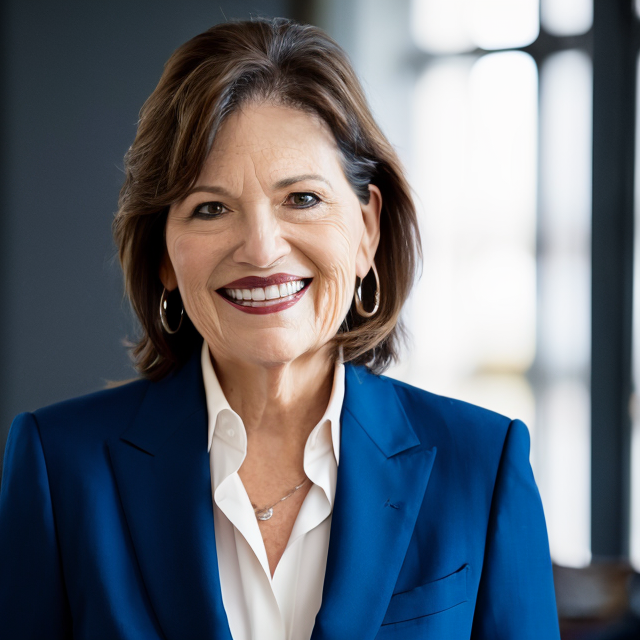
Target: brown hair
x,y
204,81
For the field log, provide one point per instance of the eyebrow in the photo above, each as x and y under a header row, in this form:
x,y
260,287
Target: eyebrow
x,y
287,182
213,189
281,184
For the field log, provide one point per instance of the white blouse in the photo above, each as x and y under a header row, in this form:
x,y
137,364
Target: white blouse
x,y
258,606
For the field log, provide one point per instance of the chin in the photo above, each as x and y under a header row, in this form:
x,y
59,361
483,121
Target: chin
x,y
271,350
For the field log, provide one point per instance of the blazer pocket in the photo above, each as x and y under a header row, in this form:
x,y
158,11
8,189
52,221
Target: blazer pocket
x,y
428,598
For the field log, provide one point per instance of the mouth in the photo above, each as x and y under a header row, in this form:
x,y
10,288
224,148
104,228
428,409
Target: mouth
x,y
271,298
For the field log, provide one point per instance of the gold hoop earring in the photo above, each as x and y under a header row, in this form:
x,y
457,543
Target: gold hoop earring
x,y
376,300
163,314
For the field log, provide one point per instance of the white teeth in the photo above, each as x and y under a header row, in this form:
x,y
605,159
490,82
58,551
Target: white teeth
x,y
260,295
272,292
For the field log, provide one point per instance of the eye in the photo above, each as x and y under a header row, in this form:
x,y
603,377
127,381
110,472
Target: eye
x,y
209,210
302,200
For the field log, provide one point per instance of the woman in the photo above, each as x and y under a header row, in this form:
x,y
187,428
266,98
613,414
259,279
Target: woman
x,y
262,480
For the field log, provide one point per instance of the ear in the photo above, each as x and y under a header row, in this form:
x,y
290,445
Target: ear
x,y
371,233
167,273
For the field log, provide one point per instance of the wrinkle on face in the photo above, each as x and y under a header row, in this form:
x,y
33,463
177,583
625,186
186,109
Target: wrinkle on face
x,y
333,292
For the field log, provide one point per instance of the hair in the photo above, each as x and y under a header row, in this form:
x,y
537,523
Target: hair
x,y
205,80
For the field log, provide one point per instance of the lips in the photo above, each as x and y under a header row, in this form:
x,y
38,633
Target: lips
x,y
253,282
264,300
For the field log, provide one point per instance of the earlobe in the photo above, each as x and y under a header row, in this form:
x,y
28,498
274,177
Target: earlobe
x,y
167,273
371,234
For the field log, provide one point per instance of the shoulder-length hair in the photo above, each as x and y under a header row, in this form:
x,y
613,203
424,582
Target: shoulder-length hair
x,y
205,80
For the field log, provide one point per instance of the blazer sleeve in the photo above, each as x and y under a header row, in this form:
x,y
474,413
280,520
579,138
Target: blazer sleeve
x,y
33,601
516,596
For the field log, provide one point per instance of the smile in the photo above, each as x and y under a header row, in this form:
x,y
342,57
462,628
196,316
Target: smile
x,y
269,299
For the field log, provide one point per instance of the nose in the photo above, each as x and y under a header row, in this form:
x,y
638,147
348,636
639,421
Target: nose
x,y
262,244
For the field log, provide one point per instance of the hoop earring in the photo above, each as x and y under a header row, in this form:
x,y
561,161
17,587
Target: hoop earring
x,y
376,300
163,314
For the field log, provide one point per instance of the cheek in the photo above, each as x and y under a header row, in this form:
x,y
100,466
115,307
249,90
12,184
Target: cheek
x,y
333,247
194,257
191,257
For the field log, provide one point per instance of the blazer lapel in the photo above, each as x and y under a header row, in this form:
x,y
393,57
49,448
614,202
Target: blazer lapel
x,y
162,470
382,477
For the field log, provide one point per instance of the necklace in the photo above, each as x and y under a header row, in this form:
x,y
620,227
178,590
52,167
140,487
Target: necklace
x,y
266,512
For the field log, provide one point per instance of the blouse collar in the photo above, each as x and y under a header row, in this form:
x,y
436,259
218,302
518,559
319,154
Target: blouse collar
x,y
217,405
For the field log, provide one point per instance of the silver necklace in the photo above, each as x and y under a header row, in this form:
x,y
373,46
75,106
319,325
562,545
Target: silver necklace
x,y
266,512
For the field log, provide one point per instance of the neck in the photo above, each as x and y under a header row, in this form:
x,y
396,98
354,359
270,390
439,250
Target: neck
x,y
284,401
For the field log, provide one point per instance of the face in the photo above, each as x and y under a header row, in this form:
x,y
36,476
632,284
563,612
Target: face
x,y
266,247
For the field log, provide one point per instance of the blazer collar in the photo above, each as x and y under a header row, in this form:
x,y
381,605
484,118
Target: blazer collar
x,y
161,465
167,404
369,398
374,404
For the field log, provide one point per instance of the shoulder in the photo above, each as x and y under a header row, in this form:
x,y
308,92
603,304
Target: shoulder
x,y
71,436
455,413
472,442
100,413
455,427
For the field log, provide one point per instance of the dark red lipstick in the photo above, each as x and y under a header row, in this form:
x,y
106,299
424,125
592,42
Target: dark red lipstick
x,y
262,307
251,282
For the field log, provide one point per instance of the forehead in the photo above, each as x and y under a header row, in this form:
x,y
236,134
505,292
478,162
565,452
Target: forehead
x,y
273,140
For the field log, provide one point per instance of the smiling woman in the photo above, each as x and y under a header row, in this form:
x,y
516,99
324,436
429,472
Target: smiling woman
x,y
262,480
293,92
284,201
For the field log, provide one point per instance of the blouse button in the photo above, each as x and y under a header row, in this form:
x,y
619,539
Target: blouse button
x,y
231,433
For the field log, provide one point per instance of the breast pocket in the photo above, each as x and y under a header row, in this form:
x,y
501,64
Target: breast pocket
x,y
428,598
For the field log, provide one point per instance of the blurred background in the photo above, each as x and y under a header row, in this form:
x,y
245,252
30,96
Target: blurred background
x,y
516,121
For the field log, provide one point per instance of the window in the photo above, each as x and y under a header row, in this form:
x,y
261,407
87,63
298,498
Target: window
x,y
502,165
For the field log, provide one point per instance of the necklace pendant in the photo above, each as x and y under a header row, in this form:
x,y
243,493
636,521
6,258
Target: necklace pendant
x,y
265,514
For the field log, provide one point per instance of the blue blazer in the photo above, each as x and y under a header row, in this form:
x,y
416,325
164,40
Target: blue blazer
x,y
106,520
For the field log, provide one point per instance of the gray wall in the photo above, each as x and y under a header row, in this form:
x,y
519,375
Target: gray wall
x,y
74,76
